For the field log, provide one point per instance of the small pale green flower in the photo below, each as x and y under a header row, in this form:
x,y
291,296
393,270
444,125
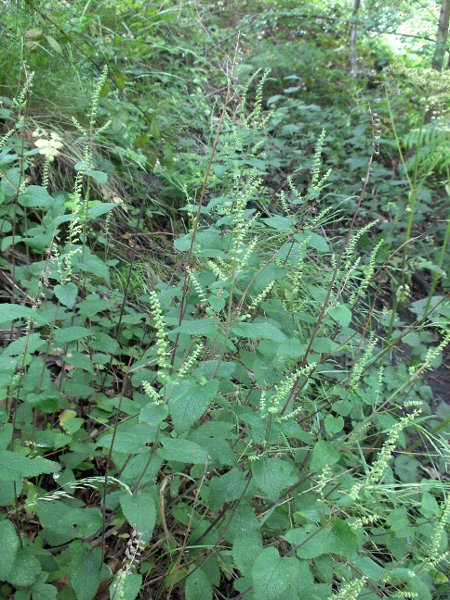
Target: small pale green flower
x,y
50,147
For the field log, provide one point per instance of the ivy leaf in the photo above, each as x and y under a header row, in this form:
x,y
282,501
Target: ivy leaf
x,y
190,402
198,586
140,512
183,451
273,575
10,546
273,476
67,294
86,571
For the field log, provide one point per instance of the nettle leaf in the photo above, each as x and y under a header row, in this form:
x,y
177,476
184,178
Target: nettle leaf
x,y
274,475
227,488
13,466
323,455
86,571
333,425
198,586
341,314
9,312
273,576
100,209
153,413
99,176
313,240
11,181
280,223
66,294
259,331
25,568
93,264
129,586
10,546
39,591
189,403
140,512
36,197
71,334
197,327
130,442
246,549
406,468
183,451
313,541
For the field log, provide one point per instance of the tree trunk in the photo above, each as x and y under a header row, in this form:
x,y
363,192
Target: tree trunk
x,y
353,54
441,40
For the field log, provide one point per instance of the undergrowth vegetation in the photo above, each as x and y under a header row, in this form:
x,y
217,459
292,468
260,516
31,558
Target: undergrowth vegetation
x,y
223,292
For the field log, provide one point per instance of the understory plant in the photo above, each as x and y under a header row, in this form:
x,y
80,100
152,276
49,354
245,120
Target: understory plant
x,y
237,432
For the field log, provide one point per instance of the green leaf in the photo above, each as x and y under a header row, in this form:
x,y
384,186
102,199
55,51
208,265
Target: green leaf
x,y
11,180
226,488
25,568
257,163
140,512
198,586
43,591
273,576
406,468
66,294
153,413
126,586
183,451
315,541
323,455
429,506
10,545
13,466
8,241
54,44
280,223
273,476
86,571
246,549
130,442
100,209
9,312
99,176
189,403
36,196
72,334
197,327
259,331
333,425
93,264
341,314
313,240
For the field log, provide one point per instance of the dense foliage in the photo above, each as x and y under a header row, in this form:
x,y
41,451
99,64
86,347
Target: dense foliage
x,y
224,308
